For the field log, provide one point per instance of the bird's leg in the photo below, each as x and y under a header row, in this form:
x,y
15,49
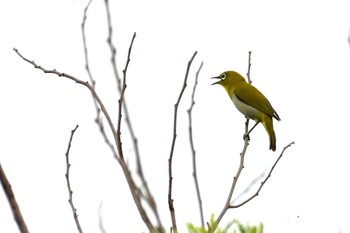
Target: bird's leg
x,y
246,135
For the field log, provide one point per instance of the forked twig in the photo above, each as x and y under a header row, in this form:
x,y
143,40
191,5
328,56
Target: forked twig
x,y
264,181
130,181
170,160
70,192
194,163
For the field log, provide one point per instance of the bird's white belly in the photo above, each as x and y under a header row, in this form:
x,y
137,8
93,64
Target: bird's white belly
x,y
245,109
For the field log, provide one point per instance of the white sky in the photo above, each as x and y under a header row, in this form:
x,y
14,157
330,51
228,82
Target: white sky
x,y
300,61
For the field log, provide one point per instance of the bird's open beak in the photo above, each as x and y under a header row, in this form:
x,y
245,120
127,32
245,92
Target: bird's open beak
x,y
217,81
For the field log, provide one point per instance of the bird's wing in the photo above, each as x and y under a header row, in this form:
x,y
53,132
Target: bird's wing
x,y
259,101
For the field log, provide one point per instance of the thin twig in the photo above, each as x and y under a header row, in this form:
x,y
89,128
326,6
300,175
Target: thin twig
x,y
121,161
249,65
87,67
98,119
264,181
131,182
148,196
194,163
70,192
246,136
111,46
121,99
170,160
12,201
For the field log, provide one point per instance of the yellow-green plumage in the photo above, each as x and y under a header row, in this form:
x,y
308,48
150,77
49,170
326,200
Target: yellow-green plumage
x,y
250,102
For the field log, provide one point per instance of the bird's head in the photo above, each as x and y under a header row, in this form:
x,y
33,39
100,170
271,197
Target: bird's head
x,y
229,79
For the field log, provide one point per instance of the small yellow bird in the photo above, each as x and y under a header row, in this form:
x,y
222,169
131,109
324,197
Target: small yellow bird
x,y
249,101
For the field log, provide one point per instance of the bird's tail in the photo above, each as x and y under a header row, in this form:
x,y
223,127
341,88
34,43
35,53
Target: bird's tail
x,y
267,122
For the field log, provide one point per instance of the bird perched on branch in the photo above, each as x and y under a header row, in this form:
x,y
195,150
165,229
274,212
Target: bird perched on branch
x,y
250,102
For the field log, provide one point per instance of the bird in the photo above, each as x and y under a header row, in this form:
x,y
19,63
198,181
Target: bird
x,y
250,102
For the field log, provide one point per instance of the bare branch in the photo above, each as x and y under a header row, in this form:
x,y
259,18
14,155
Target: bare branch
x,y
194,163
84,83
132,185
12,201
70,192
120,159
170,160
264,181
98,119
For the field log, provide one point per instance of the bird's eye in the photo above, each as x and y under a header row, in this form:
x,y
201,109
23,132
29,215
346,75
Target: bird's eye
x,y
223,76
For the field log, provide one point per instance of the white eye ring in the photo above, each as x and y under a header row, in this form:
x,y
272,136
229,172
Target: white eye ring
x,y
223,76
